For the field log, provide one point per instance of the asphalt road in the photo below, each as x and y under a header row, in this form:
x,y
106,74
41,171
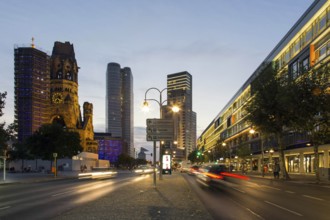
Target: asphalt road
x,y
254,199
45,200
265,199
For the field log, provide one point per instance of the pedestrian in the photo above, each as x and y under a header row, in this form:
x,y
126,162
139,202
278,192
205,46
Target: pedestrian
x,y
277,170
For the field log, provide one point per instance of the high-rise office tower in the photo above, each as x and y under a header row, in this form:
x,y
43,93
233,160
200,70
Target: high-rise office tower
x,y
31,89
119,105
179,93
128,109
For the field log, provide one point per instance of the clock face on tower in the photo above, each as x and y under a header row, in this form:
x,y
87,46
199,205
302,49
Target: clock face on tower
x,y
57,98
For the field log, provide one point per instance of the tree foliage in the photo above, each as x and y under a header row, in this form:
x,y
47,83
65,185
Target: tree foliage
x,y
313,109
280,104
52,138
196,156
3,133
125,160
270,109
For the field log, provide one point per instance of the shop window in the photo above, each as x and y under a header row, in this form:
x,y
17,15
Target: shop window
x,y
293,164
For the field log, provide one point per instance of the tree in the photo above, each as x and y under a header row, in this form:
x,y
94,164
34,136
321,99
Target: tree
x,y
220,150
313,109
125,160
52,138
270,108
4,137
196,156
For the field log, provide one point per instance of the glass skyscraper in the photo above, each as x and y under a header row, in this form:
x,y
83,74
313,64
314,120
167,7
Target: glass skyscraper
x,y
119,105
179,93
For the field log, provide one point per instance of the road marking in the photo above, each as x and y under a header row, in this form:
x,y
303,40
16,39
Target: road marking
x,y
312,197
272,188
5,207
62,193
287,191
281,207
238,190
249,210
252,184
326,186
254,213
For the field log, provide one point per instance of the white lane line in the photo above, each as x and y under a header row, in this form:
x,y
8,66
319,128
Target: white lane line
x,y
326,186
287,191
238,190
253,213
5,207
62,193
281,207
312,197
272,187
252,184
249,210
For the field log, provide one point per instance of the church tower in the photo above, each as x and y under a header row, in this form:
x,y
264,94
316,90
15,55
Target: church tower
x,y
64,107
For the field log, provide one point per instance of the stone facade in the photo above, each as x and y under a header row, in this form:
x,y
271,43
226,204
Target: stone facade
x,y
64,107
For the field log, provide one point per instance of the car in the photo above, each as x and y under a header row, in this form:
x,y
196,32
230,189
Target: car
x,y
193,170
185,166
218,175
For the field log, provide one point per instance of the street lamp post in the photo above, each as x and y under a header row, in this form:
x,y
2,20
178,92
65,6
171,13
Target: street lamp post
x,y
252,131
160,103
4,157
55,164
271,151
224,144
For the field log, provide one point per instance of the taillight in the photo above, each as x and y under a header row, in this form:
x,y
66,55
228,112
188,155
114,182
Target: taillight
x,y
214,176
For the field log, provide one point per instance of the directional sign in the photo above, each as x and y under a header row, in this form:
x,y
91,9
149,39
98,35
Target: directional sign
x,y
160,130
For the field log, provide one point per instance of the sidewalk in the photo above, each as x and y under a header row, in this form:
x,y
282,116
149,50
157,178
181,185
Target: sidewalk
x,y
35,177
294,177
171,199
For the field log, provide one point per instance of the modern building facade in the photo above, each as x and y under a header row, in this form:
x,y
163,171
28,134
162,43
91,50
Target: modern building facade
x,y
179,93
31,89
109,147
119,105
305,47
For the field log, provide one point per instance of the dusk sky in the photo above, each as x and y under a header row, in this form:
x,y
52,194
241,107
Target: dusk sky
x,y
219,42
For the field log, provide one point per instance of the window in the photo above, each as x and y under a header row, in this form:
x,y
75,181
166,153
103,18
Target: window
x,y
228,121
322,23
305,64
294,70
322,51
308,36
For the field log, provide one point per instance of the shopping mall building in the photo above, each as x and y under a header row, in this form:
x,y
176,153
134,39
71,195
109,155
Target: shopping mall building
x,y
305,47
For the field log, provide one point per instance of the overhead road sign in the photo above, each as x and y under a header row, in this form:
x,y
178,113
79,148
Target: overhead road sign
x,y
160,130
